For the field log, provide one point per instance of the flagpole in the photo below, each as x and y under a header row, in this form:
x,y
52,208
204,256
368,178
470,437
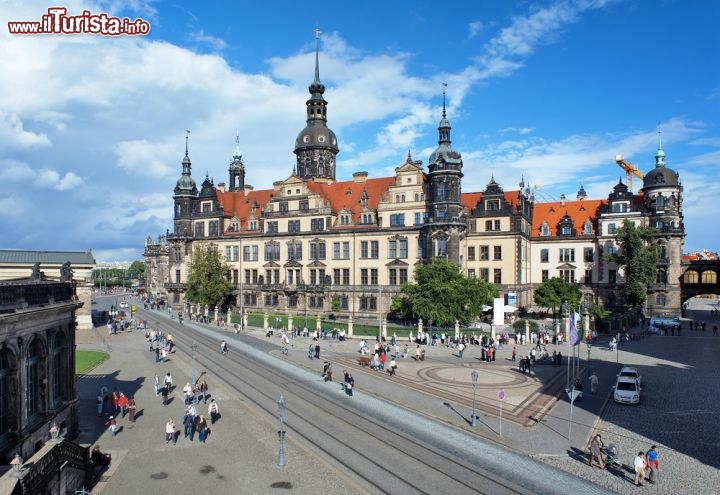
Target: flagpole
x,y
568,337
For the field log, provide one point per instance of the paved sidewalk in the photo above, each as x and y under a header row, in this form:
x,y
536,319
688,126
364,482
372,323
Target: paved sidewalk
x,y
241,451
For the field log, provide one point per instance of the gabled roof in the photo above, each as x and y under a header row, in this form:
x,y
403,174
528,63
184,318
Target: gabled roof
x,y
47,257
579,211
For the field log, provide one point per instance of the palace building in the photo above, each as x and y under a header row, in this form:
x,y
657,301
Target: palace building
x,y
315,244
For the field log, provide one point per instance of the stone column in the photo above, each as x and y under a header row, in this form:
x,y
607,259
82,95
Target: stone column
x,y
383,328
492,331
290,323
557,328
245,320
350,326
229,315
420,326
265,321
457,329
318,323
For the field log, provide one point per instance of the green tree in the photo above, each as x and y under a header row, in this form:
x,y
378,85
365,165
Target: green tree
x,y
207,281
442,294
136,270
638,258
554,291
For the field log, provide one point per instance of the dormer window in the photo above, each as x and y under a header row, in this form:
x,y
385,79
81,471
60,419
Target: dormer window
x,y
545,229
620,207
566,230
588,228
492,204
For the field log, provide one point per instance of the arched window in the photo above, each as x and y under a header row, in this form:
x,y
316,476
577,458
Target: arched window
x,y
33,377
661,277
660,202
6,365
690,277
59,371
660,299
709,277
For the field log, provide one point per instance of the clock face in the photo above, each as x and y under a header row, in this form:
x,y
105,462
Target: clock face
x,y
334,142
306,139
321,139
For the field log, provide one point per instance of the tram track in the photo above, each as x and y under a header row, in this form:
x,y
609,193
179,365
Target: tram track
x,y
380,453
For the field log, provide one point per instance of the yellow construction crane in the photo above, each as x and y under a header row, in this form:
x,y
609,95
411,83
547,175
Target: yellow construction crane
x,y
630,170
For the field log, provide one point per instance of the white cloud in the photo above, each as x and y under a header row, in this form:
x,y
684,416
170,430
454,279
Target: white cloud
x,y
13,134
212,41
51,179
474,28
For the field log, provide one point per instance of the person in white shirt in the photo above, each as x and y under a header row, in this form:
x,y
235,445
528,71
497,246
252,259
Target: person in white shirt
x,y
640,467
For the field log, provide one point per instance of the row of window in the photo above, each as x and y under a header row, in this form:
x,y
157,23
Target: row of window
x,y
397,248
484,253
485,275
367,303
319,276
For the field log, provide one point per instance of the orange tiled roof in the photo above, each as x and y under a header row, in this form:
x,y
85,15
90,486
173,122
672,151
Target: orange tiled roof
x,y
239,204
470,200
579,211
345,195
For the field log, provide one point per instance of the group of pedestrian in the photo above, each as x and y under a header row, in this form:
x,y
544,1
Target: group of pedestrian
x,y
116,405
645,464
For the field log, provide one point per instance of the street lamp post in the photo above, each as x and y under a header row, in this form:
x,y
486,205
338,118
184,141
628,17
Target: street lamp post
x,y
589,346
193,349
474,377
281,432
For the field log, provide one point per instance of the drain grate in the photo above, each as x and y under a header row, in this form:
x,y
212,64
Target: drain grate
x,y
158,476
285,485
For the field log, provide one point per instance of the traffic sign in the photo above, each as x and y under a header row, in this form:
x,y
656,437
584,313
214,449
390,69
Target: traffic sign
x,y
501,395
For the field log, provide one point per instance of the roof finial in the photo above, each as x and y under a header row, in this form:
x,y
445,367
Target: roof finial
x,y
409,158
317,50
444,86
187,135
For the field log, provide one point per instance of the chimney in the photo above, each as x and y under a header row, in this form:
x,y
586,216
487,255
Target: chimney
x,y
562,200
221,187
360,177
248,188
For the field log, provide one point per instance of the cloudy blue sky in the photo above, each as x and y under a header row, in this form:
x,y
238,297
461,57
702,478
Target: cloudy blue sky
x,y
92,128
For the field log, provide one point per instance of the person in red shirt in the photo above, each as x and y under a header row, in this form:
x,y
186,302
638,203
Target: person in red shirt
x,y
383,358
122,402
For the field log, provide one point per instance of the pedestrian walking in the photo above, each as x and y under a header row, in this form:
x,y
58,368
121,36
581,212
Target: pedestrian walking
x,y
653,465
593,383
157,352
639,464
461,349
203,391
187,392
595,448
99,405
157,384
189,425
165,392
317,350
132,408
168,381
202,428
514,354
170,432
213,411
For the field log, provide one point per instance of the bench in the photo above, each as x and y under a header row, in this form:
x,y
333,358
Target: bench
x,y
364,360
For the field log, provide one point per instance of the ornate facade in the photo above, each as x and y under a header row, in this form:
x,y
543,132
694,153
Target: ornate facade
x,y
314,244
37,379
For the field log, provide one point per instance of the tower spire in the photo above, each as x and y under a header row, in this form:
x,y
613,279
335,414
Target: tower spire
x,y
444,86
317,53
187,137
